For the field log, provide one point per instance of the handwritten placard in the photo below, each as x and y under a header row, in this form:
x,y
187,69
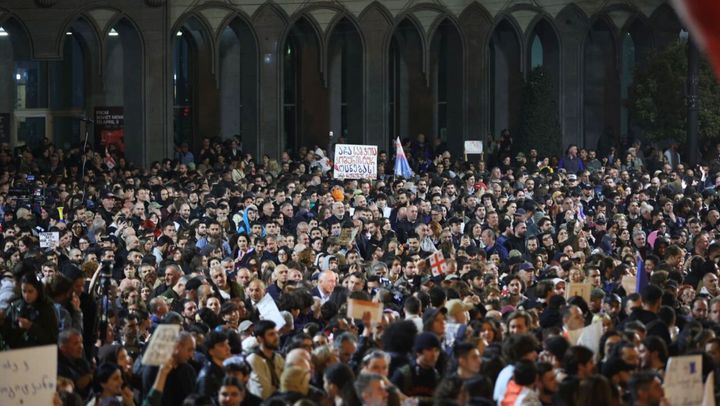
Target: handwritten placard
x,y
354,161
357,308
269,311
683,383
28,376
578,289
49,240
473,147
162,344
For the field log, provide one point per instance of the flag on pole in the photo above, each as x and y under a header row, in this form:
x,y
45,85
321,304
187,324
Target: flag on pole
x,y
402,167
701,17
641,277
438,266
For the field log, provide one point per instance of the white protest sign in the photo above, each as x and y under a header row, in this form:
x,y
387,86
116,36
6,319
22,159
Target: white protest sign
x,y
28,376
590,336
683,380
473,147
49,240
269,311
357,308
353,161
162,344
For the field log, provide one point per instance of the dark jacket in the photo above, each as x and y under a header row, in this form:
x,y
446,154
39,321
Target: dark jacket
x,y
180,383
338,297
210,379
44,328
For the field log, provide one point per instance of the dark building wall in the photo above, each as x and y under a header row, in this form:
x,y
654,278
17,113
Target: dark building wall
x,y
238,64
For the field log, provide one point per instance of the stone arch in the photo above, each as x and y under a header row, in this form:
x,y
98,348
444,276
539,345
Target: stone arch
x,y
194,81
476,25
377,6
635,42
123,74
639,28
238,61
447,79
665,25
15,47
346,78
18,36
305,97
410,100
601,88
77,78
542,31
505,76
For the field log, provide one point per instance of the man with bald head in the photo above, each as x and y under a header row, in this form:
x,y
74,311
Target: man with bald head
x,y
328,290
301,358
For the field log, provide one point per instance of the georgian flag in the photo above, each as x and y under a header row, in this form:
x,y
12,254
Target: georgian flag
x,y
438,266
402,167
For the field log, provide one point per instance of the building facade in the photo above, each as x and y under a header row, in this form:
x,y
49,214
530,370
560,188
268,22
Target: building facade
x,y
285,73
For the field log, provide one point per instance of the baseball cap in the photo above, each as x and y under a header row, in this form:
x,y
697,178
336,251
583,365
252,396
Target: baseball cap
x,y
245,326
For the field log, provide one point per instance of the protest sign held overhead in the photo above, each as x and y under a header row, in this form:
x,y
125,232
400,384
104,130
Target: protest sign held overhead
x,y
354,161
162,344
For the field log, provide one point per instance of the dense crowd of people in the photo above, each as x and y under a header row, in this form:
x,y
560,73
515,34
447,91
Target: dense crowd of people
x,y
208,240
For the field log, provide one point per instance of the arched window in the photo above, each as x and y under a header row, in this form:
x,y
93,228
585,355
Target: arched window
x,y
182,89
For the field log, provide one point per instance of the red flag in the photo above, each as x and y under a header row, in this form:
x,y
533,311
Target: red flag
x,y
701,18
437,263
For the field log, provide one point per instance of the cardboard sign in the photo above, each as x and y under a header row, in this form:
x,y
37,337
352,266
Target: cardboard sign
x,y
683,380
29,376
49,240
473,147
269,311
578,289
162,344
629,283
357,308
354,161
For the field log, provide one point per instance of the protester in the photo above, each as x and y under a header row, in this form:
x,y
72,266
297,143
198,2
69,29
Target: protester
x,y
472,269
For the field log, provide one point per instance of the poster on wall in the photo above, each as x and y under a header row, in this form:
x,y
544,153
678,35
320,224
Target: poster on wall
x,y
109,127
4,127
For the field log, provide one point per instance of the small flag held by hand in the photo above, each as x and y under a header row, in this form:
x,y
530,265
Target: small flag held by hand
x,y
438,265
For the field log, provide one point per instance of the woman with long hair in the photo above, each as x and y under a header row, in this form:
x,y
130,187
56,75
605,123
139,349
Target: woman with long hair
x,y
30,320
109,388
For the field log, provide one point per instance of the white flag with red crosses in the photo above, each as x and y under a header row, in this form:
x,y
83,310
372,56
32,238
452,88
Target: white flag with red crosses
x,y
438,266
